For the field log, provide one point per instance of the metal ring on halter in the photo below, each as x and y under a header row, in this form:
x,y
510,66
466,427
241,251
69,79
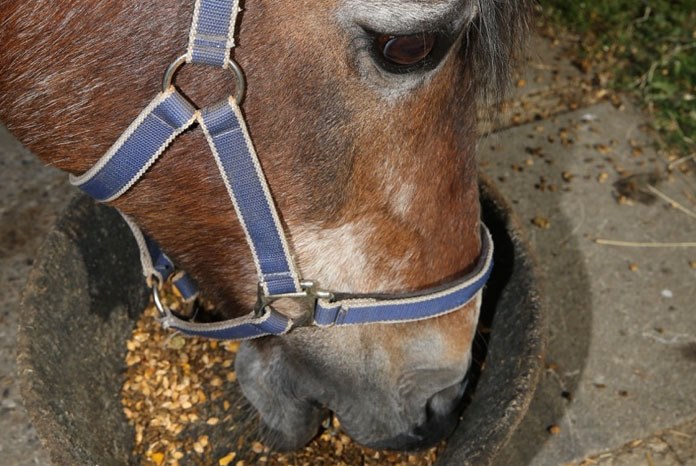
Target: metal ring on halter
x,y
231,64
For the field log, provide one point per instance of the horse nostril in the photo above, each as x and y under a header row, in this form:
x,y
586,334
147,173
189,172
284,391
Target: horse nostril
x,y
445,401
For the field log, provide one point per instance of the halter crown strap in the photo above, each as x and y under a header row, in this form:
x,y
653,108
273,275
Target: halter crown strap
x,y
211,36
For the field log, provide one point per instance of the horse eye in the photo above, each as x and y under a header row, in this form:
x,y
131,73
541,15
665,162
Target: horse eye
x,y
405,50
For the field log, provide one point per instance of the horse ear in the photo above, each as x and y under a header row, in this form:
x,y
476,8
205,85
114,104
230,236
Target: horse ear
x,y
493,45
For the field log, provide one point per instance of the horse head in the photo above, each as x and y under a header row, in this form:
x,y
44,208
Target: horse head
x,y
363,114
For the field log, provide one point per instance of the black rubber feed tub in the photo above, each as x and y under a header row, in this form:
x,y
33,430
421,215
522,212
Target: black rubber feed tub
x,y
86,290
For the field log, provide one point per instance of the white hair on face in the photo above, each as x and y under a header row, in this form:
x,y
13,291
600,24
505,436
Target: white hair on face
x,y
402,199
339,258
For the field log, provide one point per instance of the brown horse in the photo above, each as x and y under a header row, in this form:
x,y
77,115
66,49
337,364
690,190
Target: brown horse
x,y
363,113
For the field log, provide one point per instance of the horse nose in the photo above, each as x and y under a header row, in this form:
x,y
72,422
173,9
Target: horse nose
x,y
441,416
444,402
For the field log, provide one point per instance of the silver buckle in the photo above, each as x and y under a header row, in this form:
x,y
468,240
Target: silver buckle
x,y
162,308
307,297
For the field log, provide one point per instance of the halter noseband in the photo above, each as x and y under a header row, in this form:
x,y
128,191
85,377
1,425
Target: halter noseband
x,y
167,116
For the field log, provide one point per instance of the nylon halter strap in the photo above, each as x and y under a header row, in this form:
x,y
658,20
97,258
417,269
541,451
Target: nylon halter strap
x,y
167,116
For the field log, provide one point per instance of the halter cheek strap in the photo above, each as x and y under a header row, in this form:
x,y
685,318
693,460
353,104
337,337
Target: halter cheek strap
x,y
167,116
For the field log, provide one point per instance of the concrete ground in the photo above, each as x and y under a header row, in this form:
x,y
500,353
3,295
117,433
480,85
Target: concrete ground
x,y
31,196
620,384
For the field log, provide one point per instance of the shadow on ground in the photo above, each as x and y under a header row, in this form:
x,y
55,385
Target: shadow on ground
x,y
566,293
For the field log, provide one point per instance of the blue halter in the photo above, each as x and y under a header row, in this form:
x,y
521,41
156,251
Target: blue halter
x,y
169,114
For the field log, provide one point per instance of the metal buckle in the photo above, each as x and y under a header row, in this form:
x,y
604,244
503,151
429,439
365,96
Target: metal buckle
x,y
308,297
163,310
